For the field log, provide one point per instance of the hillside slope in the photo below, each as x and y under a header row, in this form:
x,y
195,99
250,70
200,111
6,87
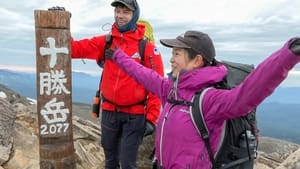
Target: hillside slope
x,y
19,146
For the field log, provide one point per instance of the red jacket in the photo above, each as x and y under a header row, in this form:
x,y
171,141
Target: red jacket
x,y
120,91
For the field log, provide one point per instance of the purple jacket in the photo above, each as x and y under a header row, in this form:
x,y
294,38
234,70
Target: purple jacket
x,y
178,145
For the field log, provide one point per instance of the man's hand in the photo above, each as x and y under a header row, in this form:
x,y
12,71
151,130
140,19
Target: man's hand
x,y
295,46
109,53
149,128
57,8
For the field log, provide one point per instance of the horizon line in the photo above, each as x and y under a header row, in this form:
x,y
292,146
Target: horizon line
x,y
29,69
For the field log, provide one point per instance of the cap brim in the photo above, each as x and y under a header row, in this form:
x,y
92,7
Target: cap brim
x,y
171,43
115,3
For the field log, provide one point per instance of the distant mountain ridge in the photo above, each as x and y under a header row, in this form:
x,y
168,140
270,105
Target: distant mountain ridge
x,y
277,116
279,120
285,95
84,86
23,83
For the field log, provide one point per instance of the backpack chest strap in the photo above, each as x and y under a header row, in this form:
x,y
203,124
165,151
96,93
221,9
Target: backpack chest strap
x,y
180,102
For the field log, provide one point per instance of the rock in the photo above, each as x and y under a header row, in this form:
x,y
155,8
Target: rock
x,y
13,97
5,153
292,162
2,95
261,166
273,152
87,144
7,119
25,133
145,151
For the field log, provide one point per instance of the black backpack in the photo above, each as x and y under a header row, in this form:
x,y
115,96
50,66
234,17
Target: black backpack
x,y
238,145
108,41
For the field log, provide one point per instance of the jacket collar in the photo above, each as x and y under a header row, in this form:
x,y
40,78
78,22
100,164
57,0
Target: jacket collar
x,y
135,34
200,78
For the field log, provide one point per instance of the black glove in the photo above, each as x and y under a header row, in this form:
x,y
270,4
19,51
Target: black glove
x,y
109,53
295,46
149,129
57,8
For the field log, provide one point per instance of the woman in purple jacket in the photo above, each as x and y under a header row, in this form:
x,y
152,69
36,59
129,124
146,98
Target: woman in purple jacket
x,y
178,145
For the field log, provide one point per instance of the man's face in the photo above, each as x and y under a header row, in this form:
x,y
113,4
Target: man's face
x,y
123,15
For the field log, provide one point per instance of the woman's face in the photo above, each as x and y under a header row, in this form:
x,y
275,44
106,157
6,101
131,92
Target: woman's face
x,y
180,61
123,15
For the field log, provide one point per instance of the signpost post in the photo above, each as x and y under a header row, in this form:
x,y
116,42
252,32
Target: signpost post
x,y
54,89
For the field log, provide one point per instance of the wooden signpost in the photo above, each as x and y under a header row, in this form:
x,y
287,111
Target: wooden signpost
x,y
54,89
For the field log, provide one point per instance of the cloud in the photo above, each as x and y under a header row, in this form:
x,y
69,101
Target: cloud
x,y
243,31
28,69
216,11
295,73
13,24
293,79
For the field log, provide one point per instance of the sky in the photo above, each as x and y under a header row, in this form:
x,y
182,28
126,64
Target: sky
x,y
244,31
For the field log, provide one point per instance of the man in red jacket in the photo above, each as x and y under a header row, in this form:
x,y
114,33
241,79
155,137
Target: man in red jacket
x,y
128,111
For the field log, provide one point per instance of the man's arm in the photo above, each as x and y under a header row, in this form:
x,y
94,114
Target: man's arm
x,y
88,48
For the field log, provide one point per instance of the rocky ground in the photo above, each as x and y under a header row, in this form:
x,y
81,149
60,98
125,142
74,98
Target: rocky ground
x,y
19,139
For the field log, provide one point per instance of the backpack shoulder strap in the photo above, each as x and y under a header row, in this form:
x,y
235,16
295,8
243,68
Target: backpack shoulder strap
x,y
108,41
142,48
199,123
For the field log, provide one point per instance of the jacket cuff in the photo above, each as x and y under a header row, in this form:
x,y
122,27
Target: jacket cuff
x,y
294,45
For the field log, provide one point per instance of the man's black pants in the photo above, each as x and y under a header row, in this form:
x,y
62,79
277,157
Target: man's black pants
x,y
121,136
